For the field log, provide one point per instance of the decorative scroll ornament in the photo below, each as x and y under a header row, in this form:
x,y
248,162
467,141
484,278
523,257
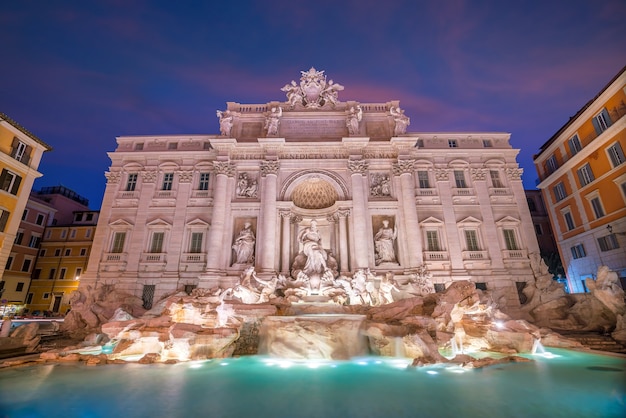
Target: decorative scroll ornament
x,y
313,91
357,166
478,174
514,173
149,176
269,167
113,177
185,176
403,166
224,167
442,174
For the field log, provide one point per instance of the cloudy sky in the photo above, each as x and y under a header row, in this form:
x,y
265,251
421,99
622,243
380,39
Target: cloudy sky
x,y
79,73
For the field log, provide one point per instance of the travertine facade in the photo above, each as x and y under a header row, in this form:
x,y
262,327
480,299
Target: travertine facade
x,y
196,210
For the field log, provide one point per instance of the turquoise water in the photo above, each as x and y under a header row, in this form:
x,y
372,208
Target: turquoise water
x,y
570,385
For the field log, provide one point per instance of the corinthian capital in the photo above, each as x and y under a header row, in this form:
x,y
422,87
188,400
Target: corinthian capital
x,y
224,167
113,177
269,167
357,166
514,173
403,166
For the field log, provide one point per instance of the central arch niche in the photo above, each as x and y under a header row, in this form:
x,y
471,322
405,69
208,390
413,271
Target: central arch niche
x,y
314,193
314,189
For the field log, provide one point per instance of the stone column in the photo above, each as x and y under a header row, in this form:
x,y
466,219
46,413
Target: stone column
x,y
492,240
176,246
404,169
343,241
514,176
442,178
216,245
285,242
359,206
269,172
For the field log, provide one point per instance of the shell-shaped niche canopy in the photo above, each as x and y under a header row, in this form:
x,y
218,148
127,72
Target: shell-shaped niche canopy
x,y
314,193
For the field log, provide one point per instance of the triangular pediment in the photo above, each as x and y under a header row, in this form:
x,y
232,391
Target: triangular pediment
x,y
432,221
120,223
198,223
508,220
470,220
159,223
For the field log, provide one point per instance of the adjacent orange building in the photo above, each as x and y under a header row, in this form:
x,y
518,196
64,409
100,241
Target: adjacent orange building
x,y
582,173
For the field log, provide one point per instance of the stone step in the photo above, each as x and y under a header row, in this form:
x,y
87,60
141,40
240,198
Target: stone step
x,y
596,341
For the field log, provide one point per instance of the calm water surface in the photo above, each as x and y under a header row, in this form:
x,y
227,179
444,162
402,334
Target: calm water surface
x,y
573,384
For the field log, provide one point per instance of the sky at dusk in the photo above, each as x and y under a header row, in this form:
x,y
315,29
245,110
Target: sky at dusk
x,y
79,73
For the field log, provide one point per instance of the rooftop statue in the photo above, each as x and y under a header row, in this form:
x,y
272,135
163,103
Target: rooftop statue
x,y
313,91
226,122
401,120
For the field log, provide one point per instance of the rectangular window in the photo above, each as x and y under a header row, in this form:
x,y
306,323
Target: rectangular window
x,y
574,145
487,143
471,239
42,253
601,121
452,143
63,233
552,164
79,271
62,273
139,146
36,274
585,175
19,287
4,219
578,251
157,242
204,181
608,242
57,252
433,241
46,295
168,180
172,145
34,241
40,219
68,252
9,181
19,237
569,221
598,211
616,154
88,233
118,242
559,192
29,298
495,179
538,229
78,217
73,233
423,179
9,262
440,287
89,217
26,265
509,239
83,252
24,214
20,151
52,273
148,295
131,182
459,179
196,242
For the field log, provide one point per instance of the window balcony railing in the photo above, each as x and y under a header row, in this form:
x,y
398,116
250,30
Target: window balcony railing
x,y
115,257
475,255
498,191
514,254
164,194
193,257
465,191
129,194
426,192
153,257
200,193
435,255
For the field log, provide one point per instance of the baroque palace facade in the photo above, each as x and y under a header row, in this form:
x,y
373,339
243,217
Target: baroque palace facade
x,y
189,211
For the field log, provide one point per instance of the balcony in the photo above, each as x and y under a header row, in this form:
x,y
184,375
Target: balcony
x,y
475,255
514,254
193,258
463,195
153,257
435,255
114,261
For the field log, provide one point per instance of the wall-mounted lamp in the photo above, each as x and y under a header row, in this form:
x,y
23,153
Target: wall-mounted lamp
x,y
610,229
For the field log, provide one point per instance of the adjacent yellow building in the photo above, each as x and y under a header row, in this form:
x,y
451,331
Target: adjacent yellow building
x,y
582,172
20,155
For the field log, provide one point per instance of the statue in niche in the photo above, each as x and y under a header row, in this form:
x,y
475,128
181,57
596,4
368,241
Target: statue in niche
x,y
381,185
313,265
384,244
273,121
226,122
244,245
401,120
353,120
246,187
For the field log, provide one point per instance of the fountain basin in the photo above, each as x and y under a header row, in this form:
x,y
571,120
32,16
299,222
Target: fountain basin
x,y
320,337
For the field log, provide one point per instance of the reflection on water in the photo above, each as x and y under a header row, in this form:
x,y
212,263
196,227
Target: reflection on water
x,y
570,384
